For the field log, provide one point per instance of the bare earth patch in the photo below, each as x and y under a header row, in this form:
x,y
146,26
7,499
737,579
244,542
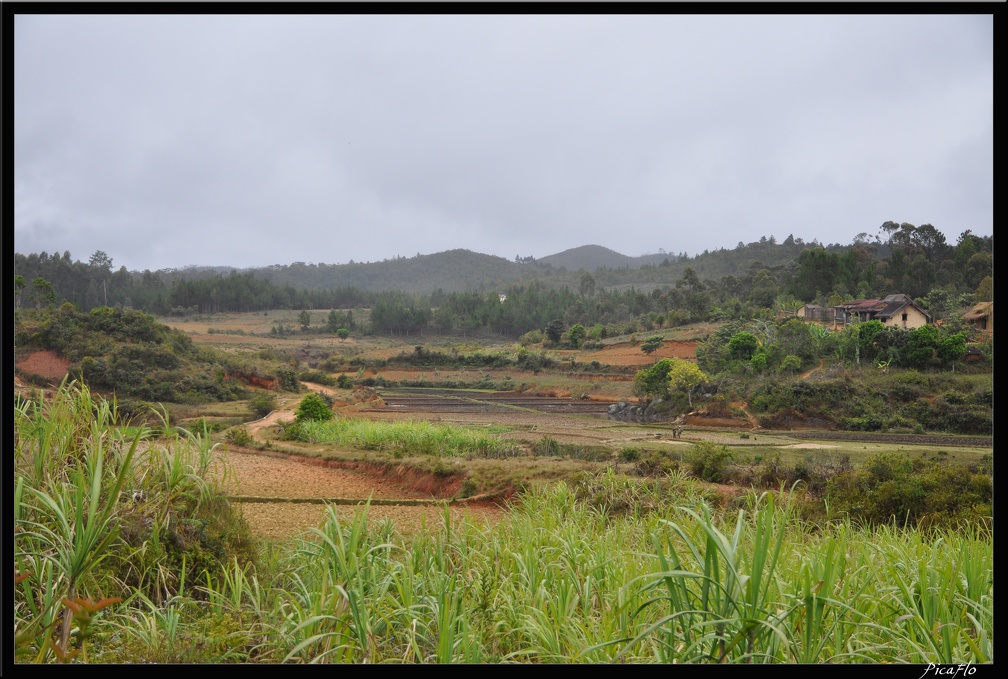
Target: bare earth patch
x,y
259,475
283,478
265,475
45,364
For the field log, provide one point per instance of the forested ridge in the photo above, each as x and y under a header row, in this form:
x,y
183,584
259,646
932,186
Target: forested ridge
x,y
461,292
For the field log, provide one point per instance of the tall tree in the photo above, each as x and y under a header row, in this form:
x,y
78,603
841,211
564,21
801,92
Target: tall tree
x,y
19,286
44,293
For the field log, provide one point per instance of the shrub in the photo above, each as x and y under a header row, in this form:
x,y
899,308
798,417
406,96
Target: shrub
x,y
629,455
531,337
318,377
651,344
288,379
709,461
790,364
890,487
656,463
263,403
239,436
547,446
313,408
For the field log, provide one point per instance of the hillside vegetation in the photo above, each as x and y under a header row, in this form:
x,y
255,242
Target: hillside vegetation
x,y
127,550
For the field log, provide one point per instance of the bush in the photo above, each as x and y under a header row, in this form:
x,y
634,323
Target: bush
x,y
629,455
890,487
790,364
547,446
263,403
709,461
314,408
239,436
318,377
288,379
531,337
656,463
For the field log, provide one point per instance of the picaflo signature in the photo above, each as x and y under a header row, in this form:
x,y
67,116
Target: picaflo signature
x,y
949,671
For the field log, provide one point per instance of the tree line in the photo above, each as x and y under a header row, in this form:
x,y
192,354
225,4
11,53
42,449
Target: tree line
x,y
912,260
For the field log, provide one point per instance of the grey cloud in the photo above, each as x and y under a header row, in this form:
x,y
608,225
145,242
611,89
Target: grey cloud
x,y
273,139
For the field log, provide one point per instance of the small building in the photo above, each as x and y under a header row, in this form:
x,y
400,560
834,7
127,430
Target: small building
x,y
898,311
816,313
981,317
902,312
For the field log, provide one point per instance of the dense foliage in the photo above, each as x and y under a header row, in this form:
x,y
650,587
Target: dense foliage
x,y
131,354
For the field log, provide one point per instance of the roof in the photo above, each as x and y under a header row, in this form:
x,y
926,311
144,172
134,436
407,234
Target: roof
x,y
860,306
882,308
979,311
896,303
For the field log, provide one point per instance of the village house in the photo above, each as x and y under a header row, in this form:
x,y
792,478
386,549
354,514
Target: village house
x,y
981,317
816,313
898,311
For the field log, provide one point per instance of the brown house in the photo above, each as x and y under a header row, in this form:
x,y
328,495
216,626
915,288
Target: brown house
x,y
981,317
898,311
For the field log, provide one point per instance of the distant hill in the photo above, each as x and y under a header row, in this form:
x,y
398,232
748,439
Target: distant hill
x,y
456,270
450,271
464,270
589,258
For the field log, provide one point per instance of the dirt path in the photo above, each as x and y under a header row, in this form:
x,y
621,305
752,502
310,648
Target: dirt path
x,y
286,407
744,407
822,363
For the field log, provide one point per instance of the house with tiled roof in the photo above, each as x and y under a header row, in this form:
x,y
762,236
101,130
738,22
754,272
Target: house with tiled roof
x,y
898,311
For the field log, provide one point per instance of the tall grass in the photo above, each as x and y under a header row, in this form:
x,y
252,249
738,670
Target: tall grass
x,y
577,573
98,517
407,438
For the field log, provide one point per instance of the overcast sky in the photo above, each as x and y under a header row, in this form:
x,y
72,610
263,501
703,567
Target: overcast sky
x,y
247,141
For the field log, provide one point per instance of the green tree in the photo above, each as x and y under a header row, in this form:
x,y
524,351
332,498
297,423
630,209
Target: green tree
x,y
43,292
263,403
19,286
794,337
342,333
313,407
651,344
743,345
685,376
100,260
577,335
304,318
985,291
870,336
653,382
922,343
952,348
554,331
